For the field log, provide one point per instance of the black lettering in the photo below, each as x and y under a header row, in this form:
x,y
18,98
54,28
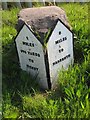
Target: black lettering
x,y
62,59
38,55
69,55
27,37
56,42
32,44
30,60
58,61
35,54
24,43
23,51
54,63
61,50
59,32
27,65
31,67
60,40
28,44
65,38
37,69
34,68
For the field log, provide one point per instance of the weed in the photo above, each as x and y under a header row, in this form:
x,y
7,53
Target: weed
x,y
21,95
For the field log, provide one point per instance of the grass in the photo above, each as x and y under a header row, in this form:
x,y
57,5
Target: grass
x,y
22,97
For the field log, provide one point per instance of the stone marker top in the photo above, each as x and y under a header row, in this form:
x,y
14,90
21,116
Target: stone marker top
x,y
42,19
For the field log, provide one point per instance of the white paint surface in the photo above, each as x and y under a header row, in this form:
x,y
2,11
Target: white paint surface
x,y
38,61
53,50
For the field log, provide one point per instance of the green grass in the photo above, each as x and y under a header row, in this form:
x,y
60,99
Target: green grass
x,y
22,97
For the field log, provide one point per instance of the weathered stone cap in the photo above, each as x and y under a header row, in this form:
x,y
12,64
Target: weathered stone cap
x,y
42,19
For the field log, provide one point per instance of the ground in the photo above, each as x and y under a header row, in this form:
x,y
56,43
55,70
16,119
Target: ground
x,y
22,97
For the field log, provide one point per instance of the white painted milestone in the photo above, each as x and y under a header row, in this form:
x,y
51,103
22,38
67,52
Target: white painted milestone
x,y
60,50
31,56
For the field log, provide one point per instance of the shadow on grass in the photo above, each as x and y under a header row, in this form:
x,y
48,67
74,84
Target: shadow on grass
x,y
15,82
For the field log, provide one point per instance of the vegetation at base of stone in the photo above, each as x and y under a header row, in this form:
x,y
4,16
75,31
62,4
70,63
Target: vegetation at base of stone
x,y
22,97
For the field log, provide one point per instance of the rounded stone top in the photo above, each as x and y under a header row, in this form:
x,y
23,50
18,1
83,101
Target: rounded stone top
x,y
42,19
